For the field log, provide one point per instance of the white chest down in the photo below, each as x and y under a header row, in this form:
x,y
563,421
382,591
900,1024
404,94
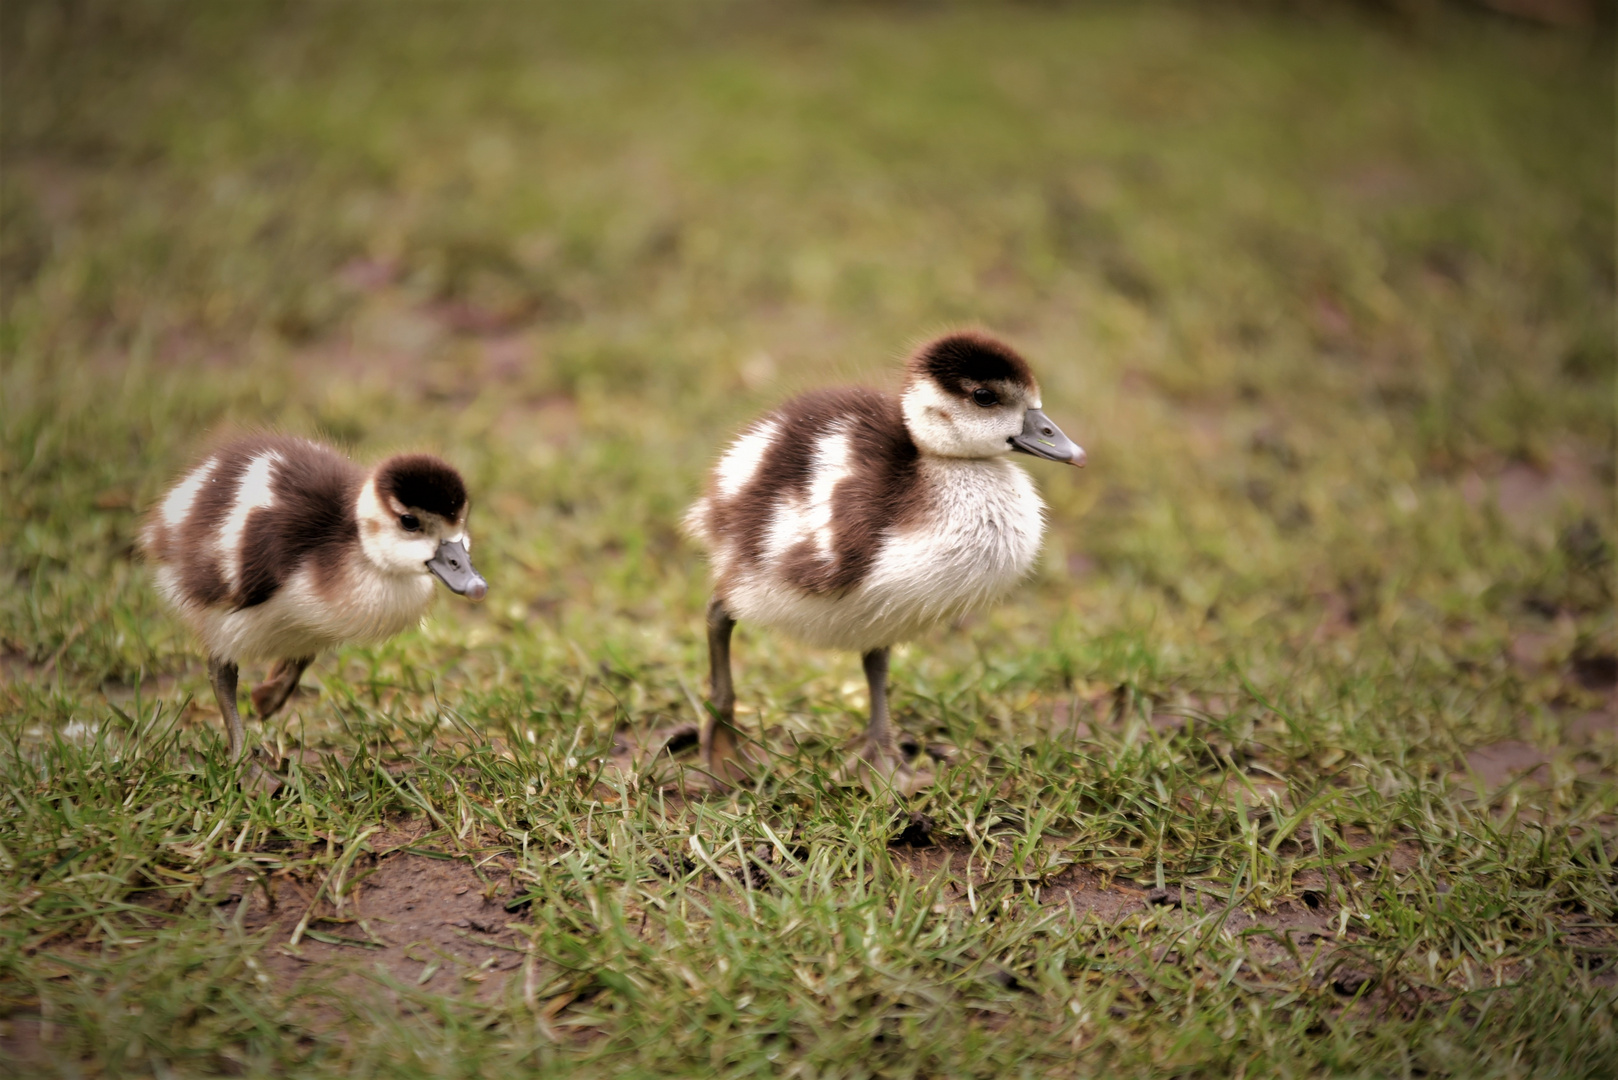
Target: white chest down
x,y
980,535
301,619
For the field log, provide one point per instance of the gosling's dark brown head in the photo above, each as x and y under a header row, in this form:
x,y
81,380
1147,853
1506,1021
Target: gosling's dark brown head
x,y
969,395
412,519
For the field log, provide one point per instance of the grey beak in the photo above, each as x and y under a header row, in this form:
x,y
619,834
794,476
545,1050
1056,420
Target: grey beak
x,y
1042,438
453,566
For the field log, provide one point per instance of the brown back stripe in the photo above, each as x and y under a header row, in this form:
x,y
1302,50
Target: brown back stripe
x,y
880,494
312,519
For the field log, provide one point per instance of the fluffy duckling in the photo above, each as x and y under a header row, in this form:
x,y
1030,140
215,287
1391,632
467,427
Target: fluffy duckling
x,y
275,548
852,519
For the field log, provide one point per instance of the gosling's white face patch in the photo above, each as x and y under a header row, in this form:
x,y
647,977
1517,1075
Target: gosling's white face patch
x,y
741,462
393,548
951,426
177,506
253,492
384,542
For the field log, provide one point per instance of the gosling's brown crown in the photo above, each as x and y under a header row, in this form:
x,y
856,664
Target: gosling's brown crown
x,y
423,482
960,361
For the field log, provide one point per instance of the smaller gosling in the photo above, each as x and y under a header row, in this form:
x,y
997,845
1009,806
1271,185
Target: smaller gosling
x,y
275,549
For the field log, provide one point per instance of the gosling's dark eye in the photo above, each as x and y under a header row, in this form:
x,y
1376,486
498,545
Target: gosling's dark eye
x,y
410,522
985,397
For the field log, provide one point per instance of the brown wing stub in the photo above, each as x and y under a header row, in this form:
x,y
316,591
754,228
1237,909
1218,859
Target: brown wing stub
x,y
311,516
202,575
312,520
878,494
969,356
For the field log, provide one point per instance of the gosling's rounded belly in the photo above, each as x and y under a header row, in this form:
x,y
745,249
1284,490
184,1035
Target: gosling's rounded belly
x,y
917,580
302,619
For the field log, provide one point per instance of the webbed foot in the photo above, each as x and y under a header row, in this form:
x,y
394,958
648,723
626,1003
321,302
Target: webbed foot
x,y
697,757
726,760
897,766
260,775
282,683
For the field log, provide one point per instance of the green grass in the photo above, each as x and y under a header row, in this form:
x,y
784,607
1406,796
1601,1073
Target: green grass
x,y
1329,302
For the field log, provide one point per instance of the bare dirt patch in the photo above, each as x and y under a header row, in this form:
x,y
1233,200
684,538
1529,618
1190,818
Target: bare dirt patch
x,y
1514,761
414,924
438,924
1596,726
1529,496
1087,891
1500,763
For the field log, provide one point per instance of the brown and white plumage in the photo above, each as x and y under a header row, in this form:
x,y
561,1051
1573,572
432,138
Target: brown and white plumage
x,y
852,519
276,548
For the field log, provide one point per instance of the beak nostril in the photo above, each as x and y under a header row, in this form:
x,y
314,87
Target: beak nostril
x,y
1047,431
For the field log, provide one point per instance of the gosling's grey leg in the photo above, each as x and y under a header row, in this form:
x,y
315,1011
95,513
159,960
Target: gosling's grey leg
x,y
222,674
878,734
276,690
720,740
881,754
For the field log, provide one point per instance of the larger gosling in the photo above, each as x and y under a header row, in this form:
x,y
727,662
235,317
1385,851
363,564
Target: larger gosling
x,y
274,548
852,519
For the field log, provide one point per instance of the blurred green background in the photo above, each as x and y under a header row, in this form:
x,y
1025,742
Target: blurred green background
x,y
1326,291
1328,295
